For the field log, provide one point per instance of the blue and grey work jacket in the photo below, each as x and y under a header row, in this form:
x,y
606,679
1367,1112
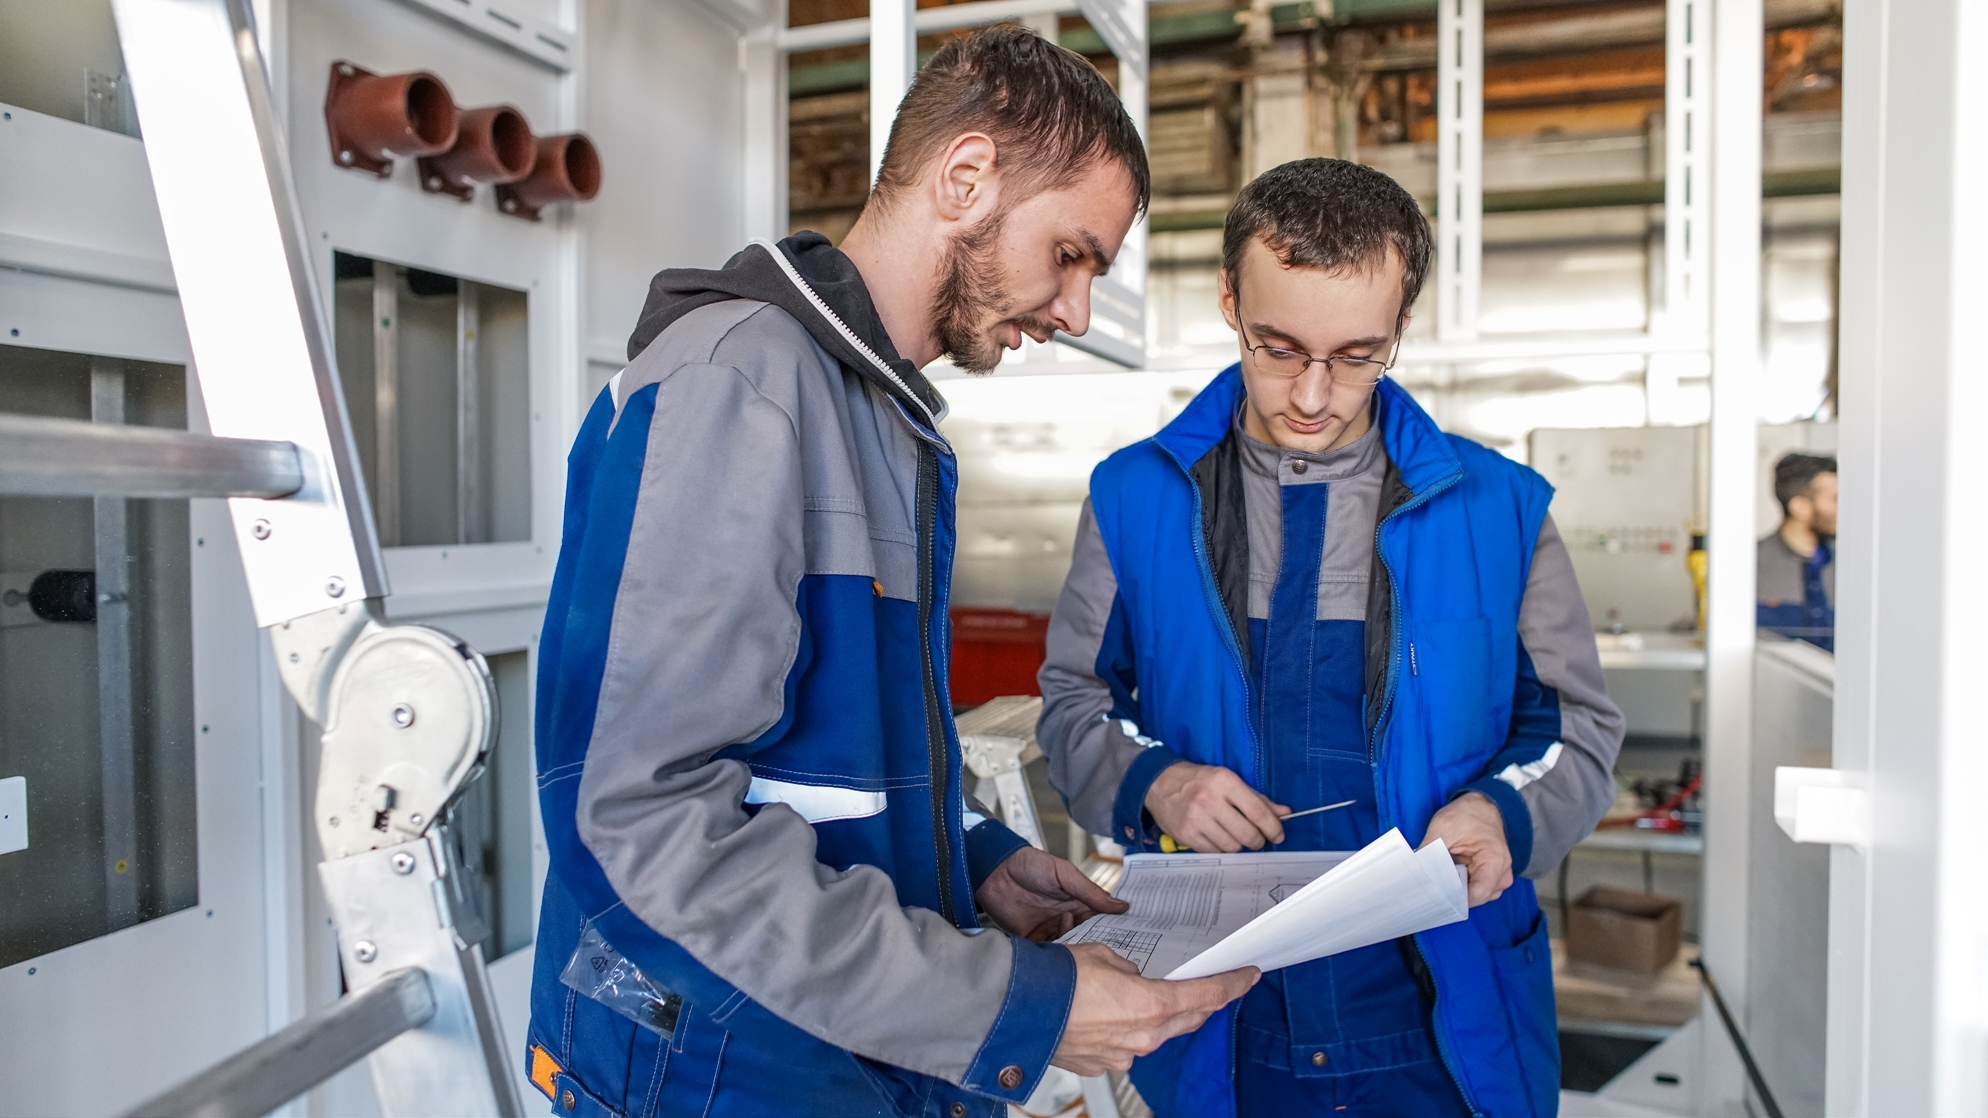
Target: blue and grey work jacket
x,y
1478,671
761,894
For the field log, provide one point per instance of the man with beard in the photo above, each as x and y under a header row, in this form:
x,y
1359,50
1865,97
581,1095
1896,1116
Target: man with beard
x,y
765,881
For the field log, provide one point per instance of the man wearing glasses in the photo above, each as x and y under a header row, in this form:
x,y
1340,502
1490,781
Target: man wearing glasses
x,y
1303,593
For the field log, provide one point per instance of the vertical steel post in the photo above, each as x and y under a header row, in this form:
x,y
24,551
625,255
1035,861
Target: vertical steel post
x,y
116,737
1687,128
1459,167
1738,27
893,61
472,518
386,400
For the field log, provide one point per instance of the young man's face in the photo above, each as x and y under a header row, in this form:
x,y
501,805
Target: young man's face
x,y
1325,314
1027,270
1817,508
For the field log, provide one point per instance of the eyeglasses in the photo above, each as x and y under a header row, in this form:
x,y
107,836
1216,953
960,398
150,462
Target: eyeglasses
x,y
1353,372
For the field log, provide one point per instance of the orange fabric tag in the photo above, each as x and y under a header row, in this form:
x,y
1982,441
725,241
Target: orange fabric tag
x,y
544,1067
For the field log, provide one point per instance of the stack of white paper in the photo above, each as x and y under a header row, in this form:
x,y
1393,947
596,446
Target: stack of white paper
x,y
1200,914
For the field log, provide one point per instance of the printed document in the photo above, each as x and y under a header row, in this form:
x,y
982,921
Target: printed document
x,y
1200,914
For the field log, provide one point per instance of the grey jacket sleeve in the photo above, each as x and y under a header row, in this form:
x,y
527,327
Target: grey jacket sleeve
x,y
1567,791
1089,752
704,633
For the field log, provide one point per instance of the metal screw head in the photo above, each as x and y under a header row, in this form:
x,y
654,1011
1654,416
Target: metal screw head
x,y
334,586
345,69
365,951
333,820
403,863
415,819
260,529
403,716
434,182
345,157
294,658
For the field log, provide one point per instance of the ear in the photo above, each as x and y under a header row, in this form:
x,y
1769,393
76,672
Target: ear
x,y
1227,284
1801,509
966,184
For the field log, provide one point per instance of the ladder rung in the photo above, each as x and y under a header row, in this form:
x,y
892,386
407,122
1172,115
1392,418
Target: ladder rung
x,y
42,457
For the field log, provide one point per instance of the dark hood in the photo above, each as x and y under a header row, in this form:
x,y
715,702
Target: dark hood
x,y
753,274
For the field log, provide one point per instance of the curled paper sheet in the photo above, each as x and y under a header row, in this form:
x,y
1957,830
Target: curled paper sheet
x,y
1200,914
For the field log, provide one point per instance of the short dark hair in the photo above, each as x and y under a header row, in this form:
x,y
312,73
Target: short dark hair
x,y
1795,474
1051,114
1331,214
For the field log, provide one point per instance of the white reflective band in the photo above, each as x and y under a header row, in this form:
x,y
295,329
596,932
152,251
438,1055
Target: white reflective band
x,y
817,803
970,819
1518,776
1131,730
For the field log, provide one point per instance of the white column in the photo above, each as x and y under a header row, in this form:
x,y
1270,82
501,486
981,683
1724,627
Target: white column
x,y
1686,142
1908,1015
893,61
1737,29
1459,167
763,70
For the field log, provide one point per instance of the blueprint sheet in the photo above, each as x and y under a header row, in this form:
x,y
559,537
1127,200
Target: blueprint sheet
x,y
1199,914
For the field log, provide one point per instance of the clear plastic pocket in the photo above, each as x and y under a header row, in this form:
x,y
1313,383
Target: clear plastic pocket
x,y
600,972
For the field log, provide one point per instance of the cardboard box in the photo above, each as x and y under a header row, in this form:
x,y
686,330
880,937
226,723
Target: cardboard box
x,y
1623,930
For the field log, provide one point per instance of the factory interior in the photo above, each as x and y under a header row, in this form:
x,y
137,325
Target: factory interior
x,y
1676,243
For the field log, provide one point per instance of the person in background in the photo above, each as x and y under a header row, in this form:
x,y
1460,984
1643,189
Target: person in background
x,y
1796,579
1302,593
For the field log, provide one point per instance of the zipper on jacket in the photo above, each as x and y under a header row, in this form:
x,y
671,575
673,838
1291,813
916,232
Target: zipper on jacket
x,y
1442,1049
1213,594
935,728
1395,644
1394,639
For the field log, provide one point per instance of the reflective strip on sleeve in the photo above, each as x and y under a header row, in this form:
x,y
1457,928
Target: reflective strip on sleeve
x,y
1518,776
817,803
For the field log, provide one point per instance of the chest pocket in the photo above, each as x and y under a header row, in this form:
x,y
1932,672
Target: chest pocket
x,y
1446,671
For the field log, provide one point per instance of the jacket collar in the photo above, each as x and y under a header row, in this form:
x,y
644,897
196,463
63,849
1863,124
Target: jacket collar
x,y
1419,449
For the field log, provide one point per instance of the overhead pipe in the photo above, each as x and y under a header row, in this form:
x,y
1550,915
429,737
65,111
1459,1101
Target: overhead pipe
x,y
373,118
493,145
567,169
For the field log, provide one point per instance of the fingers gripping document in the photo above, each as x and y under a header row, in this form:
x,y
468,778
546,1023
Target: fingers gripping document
x,y
1195,915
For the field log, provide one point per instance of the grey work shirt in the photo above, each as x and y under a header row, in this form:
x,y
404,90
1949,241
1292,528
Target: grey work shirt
x,y
1566,793
1778,573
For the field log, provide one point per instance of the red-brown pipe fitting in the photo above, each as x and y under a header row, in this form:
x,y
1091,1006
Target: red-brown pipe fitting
x,y
373,118
568,169
493,145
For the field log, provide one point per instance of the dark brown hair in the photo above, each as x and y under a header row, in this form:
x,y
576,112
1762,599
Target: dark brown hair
x,y
1330,214
1795,474
1051,115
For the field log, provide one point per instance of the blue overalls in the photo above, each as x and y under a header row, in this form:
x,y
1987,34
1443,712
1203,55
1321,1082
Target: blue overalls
x,y
1362,1012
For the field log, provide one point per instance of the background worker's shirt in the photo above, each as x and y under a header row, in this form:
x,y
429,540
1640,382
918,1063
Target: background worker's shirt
x,y
1796,594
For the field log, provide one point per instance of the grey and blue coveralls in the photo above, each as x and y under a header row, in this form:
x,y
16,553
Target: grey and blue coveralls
x,y
747,768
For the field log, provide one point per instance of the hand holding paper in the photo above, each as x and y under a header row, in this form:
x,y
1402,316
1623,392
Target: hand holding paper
x,y
1195,915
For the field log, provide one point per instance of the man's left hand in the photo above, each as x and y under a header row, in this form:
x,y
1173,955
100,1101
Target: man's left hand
x,y
1039,896
1474,831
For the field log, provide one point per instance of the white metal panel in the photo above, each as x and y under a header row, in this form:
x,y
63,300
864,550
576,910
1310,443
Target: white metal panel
x,y
185,990
1735,272
1909,963
1459,167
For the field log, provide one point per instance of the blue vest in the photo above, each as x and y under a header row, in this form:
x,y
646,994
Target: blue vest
x,y
1456,553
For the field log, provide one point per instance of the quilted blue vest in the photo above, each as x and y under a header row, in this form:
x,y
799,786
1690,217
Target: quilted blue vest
x,y
1457,553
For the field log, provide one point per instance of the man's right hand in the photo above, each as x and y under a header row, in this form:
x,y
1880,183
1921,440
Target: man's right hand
x,y
1117,1015
1209,808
